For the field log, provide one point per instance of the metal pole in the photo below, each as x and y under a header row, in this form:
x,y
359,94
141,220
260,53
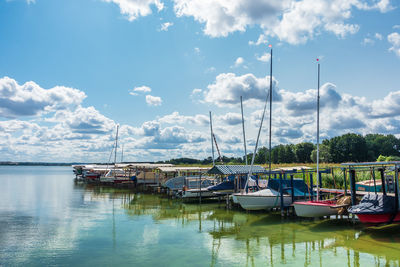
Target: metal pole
x,y
318,136
270,116
353,186
255,148
244,134
212,141
116,145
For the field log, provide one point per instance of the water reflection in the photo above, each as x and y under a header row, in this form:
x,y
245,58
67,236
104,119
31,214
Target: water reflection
x,y
268,236
46,219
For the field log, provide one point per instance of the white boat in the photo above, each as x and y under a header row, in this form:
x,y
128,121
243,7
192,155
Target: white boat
x,y
261,200
195,193
314,209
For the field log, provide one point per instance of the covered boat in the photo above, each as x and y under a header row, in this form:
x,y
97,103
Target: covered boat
x,y
376,209
262,200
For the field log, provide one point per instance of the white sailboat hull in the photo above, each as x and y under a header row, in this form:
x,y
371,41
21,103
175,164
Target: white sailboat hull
x,y
314,209
195,193
262,200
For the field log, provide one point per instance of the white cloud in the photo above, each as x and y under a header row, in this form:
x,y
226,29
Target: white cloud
x,y
396,27
140,89
368,41
230,118
238,62
262,39
378,36
176,118
86,121
134,9
153,100
264,57
30,99
227,89
292,21
165,26
394,40
197,50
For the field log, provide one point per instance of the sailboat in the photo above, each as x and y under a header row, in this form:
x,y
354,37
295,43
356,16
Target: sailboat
x,y
317,208
265,198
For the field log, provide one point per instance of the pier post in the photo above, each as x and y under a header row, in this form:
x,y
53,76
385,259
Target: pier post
x,y
281,193
345,181
292,186
353,186
311,187
382,172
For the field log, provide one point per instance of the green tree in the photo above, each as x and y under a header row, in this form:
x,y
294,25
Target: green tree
x,y
303,152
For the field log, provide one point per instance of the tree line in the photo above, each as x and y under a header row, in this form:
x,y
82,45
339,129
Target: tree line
x,y
349,147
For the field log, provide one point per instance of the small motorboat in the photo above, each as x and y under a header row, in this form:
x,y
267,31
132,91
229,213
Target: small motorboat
x,y
377,209
314,209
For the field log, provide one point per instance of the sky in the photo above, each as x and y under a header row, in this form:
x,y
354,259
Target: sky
x,y
71,71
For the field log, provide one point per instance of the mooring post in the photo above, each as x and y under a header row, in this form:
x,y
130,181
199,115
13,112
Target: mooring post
x,y
292,186
311,187
281,192
382,172
200,189
345,181
353,186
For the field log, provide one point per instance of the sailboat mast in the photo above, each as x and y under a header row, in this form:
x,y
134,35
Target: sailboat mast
x,y
212,141
270,114
318,185
116,145
244,134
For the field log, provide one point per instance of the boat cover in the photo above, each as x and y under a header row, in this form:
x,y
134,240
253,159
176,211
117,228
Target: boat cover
x,y
300,187
374,204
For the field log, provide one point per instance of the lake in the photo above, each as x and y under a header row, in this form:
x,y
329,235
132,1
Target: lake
x,y
48,219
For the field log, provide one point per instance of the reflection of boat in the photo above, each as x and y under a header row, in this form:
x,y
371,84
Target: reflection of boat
x,y
261,200
376,209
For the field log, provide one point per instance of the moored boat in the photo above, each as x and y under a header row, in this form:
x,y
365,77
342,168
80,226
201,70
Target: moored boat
x,y
376,209
262,200
318,208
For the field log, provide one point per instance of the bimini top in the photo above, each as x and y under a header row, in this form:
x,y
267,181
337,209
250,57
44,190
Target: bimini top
x,y
235,169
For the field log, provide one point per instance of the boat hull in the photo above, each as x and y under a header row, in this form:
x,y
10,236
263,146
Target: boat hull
x,y
192,194
313,209
257,202
378,218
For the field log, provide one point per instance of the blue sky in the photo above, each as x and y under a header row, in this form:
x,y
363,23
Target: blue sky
x,y
71,70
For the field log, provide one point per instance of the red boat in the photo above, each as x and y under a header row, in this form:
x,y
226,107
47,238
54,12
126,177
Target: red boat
x,y
377,209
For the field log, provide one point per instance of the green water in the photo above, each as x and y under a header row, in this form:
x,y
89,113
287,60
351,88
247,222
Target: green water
x,y
46,219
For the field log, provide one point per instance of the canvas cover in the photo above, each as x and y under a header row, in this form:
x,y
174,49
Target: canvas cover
x,y
375,204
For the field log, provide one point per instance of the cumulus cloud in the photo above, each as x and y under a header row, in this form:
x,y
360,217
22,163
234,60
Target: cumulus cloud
x,y
230,118
394,40
262,39
165,26
30,99
264,57
292,21
85,121
239,61
134,9
227,89
302,103
140,89
176,118
153,100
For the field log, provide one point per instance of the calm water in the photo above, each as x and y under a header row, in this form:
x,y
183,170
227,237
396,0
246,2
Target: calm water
x,y
46,219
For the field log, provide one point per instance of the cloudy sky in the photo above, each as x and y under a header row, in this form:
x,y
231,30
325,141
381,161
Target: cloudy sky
x,y
70,71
